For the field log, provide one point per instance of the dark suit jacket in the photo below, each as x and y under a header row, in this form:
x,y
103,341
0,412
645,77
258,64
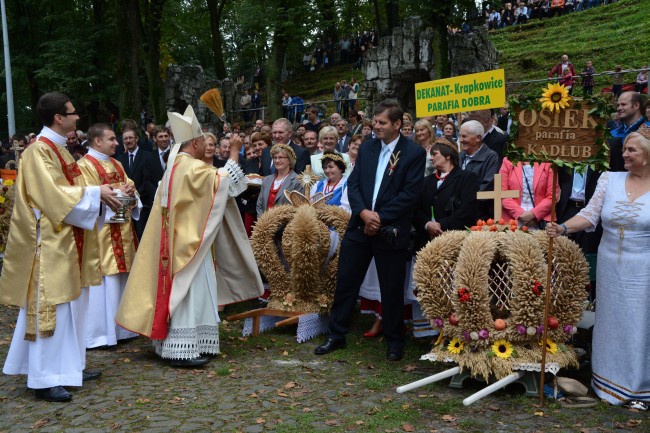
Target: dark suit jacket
x,y
153,172
346,143
455,205
302,159
397,195
137,173
565,209
497,142
565,179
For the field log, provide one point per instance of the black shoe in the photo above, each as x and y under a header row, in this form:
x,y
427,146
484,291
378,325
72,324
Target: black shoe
x,y
195,362
57,394
395,354
91,375
330,345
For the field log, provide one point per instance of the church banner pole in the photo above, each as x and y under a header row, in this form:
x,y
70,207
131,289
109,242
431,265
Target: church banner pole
x,y
547,290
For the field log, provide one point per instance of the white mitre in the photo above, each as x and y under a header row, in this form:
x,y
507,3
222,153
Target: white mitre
x,y
186,127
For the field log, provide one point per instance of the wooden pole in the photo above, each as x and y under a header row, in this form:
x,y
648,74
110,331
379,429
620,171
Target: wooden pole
x,y
547,290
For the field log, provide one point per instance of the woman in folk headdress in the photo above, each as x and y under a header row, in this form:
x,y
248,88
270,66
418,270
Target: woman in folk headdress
x,y
335,181
447,202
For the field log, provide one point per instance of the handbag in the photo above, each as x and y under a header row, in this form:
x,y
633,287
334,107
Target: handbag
x,y
389,234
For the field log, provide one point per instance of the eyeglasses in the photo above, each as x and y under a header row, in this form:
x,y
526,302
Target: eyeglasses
x,y
74,113
275,158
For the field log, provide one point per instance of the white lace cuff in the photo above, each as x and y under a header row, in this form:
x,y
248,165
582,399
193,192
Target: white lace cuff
x,y
237,183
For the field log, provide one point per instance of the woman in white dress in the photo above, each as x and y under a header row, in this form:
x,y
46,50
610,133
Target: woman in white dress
x,y
621,341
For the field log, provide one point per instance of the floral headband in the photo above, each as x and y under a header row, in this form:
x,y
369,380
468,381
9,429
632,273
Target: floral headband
x,y
284,147
335,157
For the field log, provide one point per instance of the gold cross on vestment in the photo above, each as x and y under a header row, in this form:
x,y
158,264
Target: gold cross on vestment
x,y
497,195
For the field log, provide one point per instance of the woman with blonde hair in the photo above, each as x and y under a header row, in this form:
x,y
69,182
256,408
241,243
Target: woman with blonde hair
x,y
327,138
621,342
210,148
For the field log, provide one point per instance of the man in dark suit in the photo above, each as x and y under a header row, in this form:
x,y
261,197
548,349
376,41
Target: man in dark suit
x,y
281,132
344,138
576,189
125,125
383,189
136,162
492,138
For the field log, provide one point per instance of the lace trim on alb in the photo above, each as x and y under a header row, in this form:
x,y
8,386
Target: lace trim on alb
x,y
188,343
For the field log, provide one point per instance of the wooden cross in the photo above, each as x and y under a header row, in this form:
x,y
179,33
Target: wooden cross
x,y
17,149
497,195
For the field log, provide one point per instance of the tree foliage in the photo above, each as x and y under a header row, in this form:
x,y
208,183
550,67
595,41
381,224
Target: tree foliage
x,y
111,55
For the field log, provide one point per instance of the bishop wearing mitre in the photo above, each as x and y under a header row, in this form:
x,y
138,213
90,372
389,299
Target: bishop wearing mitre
x,y
51,257
194,254
117,240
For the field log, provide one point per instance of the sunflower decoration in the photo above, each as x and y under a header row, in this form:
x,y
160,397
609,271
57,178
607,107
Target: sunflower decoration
x,y
502,349
455,346
555,97
551,347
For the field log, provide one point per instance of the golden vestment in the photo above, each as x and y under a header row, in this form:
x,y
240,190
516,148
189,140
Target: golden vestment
x,y
200,214
38,275
117,242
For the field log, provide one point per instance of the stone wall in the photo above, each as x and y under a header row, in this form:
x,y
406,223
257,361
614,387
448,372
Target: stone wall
x,y
184,86
399,61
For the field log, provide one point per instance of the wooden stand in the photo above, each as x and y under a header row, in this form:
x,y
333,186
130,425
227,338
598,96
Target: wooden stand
x,y
292,317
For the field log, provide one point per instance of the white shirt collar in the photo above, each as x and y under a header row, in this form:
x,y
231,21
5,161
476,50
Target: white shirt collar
x,y
52,136
392,144
95,154
134,152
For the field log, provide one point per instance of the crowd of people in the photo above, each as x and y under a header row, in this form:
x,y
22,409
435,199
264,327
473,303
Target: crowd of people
x,y
513,13
349,50
566,74
403,181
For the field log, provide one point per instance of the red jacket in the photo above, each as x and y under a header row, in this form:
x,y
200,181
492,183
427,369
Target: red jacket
x,y
557,70
511,179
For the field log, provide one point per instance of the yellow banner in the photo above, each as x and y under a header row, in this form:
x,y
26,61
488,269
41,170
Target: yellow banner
x,y
464,93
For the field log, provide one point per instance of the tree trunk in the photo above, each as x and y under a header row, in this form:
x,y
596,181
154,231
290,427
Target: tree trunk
x,y
392,15
377,16
274,68
128,64
216,13
328,11
153,14
440,45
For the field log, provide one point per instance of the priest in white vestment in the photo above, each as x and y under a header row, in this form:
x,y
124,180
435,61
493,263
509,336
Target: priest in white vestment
x,y
117,240
51,257
194,254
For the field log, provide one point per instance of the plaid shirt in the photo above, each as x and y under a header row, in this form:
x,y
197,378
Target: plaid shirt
x,y
588,77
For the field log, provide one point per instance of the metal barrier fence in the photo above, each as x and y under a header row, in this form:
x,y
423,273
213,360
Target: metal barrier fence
x,y
598,79
293,112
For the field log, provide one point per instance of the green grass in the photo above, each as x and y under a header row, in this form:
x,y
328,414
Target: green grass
x,y
319,85
610,35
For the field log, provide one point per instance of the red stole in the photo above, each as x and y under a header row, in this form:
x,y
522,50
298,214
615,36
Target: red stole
x,y
116,232
160,326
